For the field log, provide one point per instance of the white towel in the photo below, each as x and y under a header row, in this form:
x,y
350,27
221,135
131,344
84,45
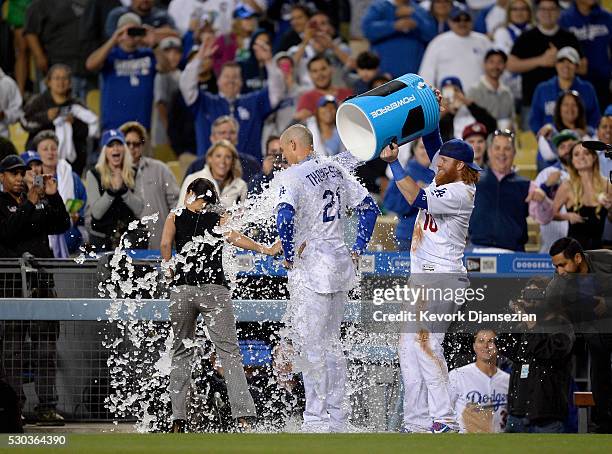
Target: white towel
x,y
87,117
63,131
65,187
546,149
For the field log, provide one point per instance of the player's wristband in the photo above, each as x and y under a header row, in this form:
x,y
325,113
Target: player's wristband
x,y
397,170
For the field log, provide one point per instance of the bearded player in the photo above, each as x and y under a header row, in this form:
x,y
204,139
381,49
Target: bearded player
x,y
436,259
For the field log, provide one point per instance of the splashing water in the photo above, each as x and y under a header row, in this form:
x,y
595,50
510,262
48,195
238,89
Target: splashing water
x,y
140,351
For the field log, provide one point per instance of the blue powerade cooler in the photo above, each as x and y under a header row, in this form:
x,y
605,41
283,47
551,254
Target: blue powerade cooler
x,y
401,110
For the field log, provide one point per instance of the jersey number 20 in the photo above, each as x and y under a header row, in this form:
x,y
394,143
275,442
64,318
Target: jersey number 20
x,y
328,209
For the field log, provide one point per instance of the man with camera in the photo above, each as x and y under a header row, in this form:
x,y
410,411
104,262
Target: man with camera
x,y
582,282
27,216
128,62
542,366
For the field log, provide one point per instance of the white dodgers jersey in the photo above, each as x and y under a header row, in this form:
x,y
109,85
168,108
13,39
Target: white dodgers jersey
x,y
440,231
480,401
320,191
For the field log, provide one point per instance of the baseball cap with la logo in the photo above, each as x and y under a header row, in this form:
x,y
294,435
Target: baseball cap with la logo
x,y
112,135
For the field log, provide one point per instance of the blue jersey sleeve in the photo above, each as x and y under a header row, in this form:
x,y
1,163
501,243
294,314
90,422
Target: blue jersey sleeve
x,y
432,142
285,227
367,213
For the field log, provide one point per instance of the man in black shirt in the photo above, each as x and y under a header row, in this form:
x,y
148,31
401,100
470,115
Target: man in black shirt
x,y
534,53
27,217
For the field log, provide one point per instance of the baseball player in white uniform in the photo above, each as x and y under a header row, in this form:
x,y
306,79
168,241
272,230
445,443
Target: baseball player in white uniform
x,y
479,391
314,194
436,260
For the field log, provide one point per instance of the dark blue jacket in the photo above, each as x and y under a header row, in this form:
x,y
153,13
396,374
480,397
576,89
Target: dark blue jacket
x,y
399,53
595,34
545,98
500,212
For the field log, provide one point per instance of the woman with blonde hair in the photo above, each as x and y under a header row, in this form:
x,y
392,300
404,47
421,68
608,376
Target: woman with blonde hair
x,y
111,201
586,196
224,170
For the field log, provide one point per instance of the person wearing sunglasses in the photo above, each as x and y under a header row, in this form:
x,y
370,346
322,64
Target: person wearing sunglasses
x,y
458,52
154,182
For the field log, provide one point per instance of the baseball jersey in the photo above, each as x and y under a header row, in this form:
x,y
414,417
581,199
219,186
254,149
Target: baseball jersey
x,y
441,230
480,401
320,191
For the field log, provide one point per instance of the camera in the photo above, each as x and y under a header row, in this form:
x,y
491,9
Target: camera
x,y
136,31
279,161
39,181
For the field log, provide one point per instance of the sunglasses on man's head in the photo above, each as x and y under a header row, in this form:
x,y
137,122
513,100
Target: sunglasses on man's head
x,y
504,133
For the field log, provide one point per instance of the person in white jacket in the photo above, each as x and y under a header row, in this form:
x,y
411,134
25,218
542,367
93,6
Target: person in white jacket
x,y
224,170
10,103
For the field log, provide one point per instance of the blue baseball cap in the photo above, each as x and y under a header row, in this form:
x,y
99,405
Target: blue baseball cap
x,y
327,99
461,151
30,156
451,80
459,11
608,111
244,12
112,135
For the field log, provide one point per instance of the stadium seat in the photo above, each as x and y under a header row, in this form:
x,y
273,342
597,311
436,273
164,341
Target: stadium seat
x,y
526,154
533,231
164,152
383,237
93,101
19,137
583,400
177,171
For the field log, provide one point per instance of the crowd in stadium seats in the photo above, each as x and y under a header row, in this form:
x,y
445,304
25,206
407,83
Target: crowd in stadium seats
x,y
169,71
126,102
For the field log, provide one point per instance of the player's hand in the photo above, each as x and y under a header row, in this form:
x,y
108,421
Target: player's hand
x,y
536,196
389,153
288,265
355,257
301,249
275,249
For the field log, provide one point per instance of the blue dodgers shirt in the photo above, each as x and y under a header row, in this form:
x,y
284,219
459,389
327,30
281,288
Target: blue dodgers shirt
x,y
250,110
127,90
595,34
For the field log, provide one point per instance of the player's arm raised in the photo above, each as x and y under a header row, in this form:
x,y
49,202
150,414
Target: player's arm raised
x,y
404,180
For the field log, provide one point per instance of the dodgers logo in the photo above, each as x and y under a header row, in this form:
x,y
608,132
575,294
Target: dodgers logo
x,y
439,192
494,400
